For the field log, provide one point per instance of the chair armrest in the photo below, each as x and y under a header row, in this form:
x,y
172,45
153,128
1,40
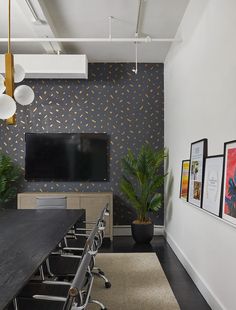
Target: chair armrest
x,y
72,249
70,236
82,235
56,253
50,298
57,283
71,256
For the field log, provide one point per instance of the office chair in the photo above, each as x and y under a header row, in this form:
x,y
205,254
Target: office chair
x,y
101,225
78,294
84,232
58,258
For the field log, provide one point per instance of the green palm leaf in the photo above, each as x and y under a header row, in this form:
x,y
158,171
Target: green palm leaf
x,y
128,189
9,174
156,202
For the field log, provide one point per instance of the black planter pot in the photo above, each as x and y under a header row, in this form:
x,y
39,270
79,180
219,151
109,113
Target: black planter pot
x,y
142,233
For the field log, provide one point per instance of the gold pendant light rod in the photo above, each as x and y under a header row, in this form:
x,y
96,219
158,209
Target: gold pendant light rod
x,y
9,67
9,27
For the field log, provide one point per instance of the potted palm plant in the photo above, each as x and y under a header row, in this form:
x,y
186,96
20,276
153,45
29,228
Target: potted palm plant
x,y
140,182
9,174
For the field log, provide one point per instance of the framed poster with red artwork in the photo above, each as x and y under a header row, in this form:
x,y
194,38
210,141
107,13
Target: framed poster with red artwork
x,y
229,185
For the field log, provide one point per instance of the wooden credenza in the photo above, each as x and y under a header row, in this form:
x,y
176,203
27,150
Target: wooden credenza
x,y
92,202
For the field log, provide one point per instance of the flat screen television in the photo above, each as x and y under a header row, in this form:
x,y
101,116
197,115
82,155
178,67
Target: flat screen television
x,y
67,157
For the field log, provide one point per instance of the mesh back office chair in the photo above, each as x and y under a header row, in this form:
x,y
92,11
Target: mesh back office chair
x,y
101,225
81,300
90,245
78,292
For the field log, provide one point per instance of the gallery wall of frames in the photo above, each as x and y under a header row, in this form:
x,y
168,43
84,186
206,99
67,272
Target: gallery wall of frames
x,y
209,182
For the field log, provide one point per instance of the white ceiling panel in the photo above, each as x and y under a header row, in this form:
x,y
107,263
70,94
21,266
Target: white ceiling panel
x,y
90,19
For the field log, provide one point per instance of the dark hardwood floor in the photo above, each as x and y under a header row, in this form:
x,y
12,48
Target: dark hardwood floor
x,y
185,291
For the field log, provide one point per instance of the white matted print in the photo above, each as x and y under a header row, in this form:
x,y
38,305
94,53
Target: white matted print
x,y
213,184
196,172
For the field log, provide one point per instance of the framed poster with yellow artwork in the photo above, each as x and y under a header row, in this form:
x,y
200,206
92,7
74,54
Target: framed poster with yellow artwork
x,y
184,179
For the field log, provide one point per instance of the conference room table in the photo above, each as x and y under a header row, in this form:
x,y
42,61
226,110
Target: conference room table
x,y
27,237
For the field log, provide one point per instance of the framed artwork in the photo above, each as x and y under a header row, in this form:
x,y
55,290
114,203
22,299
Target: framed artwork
x,y
212,189
198,154
229,185
184,179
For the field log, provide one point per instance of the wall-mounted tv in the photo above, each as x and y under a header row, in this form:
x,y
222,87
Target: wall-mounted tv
x,y
67,157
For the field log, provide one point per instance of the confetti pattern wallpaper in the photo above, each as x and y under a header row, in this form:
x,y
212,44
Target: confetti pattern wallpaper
x,y
114,100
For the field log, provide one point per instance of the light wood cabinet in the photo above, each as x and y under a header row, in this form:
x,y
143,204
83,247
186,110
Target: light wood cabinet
x,y
92,202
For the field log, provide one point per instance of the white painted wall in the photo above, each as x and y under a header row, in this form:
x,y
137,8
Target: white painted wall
x,y
200,102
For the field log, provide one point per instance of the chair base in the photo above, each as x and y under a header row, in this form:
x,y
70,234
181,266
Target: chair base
x,y
102,276
94,301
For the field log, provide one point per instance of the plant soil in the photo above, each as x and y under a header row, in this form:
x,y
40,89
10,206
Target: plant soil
x,y
139,222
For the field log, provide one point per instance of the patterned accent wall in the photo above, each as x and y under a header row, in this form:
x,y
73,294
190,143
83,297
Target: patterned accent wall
x,y
129,107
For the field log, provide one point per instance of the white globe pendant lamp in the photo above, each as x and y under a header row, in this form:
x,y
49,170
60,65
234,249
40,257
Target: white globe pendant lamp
x,y
2,84
22,94
19,73
8,106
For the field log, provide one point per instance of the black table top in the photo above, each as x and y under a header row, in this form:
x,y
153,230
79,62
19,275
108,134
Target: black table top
x,y
26,239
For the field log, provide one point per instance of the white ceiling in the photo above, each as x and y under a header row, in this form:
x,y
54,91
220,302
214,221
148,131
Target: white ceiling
x,y
89,18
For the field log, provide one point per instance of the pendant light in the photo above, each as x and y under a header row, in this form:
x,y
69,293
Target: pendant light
x,y
22,94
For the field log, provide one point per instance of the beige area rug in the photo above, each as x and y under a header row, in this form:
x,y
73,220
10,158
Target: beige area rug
x,y
138,283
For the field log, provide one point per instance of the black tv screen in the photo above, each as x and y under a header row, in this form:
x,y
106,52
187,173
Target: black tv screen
x,y
67,157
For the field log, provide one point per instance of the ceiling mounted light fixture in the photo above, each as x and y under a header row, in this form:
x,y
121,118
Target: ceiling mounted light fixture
x,y
22,94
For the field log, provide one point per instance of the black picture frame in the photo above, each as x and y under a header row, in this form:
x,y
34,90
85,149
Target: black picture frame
x,y
196,171
214,207
181,180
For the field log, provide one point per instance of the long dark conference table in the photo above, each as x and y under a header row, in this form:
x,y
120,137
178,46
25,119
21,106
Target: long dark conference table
x,y
26,239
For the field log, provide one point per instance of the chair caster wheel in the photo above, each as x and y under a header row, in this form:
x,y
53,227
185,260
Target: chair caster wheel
x,y
107,284
103,308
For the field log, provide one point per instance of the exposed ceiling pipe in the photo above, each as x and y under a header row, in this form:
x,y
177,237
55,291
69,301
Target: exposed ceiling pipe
x,y
42,24
110,33
37,20
92,40
136,36
138,19
136,59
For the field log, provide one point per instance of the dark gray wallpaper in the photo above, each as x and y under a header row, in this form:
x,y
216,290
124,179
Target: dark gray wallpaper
x,y
129,107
